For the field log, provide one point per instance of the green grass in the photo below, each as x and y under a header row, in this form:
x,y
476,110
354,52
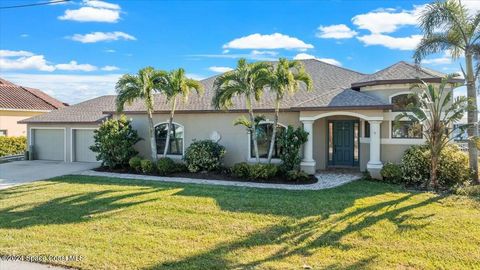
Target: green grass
x,y
128,224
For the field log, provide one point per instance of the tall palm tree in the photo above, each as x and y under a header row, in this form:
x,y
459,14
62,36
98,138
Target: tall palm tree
x,y
437,110
247,80
448,26
285,78
141,86
174,84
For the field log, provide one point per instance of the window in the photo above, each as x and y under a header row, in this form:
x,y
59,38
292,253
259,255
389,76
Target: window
x,y
406,129
176,139
264,136
458,135
366,128
401,102
3,132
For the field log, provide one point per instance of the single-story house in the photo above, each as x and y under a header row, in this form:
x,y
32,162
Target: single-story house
x,y
348,116
18,103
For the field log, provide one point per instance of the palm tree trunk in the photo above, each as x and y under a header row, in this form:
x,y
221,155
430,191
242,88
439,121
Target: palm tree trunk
x,y
253,131
472,117
153,143
274,132
169,128
433,171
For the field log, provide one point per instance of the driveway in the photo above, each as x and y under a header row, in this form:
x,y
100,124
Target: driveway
x,y
21,172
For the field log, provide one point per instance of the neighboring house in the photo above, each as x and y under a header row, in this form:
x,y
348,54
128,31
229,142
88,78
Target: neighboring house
x,y
18,103
348,116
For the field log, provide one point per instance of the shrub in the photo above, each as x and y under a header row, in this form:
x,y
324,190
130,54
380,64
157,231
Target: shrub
x,y
147,166
391,173
165,166
297,176
114,141
204,155
12,145
469,191
241,170
135,163
290,142
262,171
452,169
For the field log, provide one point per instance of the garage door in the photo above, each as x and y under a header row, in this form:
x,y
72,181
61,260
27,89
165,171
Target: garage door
x,y
82,140
49,144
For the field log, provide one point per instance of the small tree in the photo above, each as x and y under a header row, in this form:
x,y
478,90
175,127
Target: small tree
x,y
437,111
291,142
114,141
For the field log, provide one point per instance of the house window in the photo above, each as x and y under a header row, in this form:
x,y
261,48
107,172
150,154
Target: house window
x,y
3,132
400,102
366,129
406,130
176,139
264,137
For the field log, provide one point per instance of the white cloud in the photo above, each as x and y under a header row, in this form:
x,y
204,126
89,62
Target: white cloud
x,y
337,31
387,20
93,11
68,88
253,55
397,43
195,76
110,68
18,60
220,69
9,53
24,35
273,41
73,65
110,51
304,56
444,59
102,36
257,52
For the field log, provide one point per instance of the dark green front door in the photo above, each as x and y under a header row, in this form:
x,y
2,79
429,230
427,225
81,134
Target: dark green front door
x,y
343,143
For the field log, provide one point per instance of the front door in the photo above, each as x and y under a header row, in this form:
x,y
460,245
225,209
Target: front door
x,y
343,143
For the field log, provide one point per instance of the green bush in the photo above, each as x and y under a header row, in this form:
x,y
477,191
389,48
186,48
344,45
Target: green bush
x,y
135,163
262,171
473,191
297,176
453,167
391,173
165,166
114,141
291,142
241,170
12,145
147,166
204,155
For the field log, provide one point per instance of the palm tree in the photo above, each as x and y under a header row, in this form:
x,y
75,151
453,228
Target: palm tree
x,y
437,110
247,80
172,85
141,86
448,26
285,78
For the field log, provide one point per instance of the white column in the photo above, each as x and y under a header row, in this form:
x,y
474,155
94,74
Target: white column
x,y
374,163
308,163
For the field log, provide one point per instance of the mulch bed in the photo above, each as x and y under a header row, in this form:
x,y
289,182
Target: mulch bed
x,y
213,176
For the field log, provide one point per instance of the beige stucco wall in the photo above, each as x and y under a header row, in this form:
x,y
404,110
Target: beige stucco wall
x,y
68,135
9,119
201,125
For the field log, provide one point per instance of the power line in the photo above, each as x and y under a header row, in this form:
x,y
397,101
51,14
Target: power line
x,y
35,4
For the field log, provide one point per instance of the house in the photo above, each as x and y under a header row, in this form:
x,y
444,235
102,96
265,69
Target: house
x,y
348,116
18,103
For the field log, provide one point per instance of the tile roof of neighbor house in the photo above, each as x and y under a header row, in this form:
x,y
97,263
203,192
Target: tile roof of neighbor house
x,y
331,90
15,97
400,72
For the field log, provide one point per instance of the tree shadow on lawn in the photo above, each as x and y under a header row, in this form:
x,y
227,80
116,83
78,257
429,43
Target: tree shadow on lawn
x,y
308,232
74,208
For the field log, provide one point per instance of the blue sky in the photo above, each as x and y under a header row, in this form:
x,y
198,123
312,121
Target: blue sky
x,y
77,50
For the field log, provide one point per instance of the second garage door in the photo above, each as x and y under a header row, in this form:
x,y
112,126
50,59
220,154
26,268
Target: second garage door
x,y
82,140
48,144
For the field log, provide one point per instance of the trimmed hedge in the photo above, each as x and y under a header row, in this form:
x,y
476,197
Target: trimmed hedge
x,y
204,155
12,145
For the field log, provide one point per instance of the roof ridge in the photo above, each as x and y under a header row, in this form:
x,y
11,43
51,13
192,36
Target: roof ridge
x,y
344,68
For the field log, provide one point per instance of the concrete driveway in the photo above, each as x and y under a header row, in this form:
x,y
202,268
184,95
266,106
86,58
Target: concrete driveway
x,y
20,172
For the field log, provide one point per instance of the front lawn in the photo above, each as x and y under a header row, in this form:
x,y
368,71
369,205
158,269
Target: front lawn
x,y
128,224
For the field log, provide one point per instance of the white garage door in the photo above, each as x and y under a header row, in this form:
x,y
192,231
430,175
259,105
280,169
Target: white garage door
x,y
49,144
82,140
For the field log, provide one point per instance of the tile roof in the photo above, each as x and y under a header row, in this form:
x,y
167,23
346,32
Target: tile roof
x,y
331,90
17,97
